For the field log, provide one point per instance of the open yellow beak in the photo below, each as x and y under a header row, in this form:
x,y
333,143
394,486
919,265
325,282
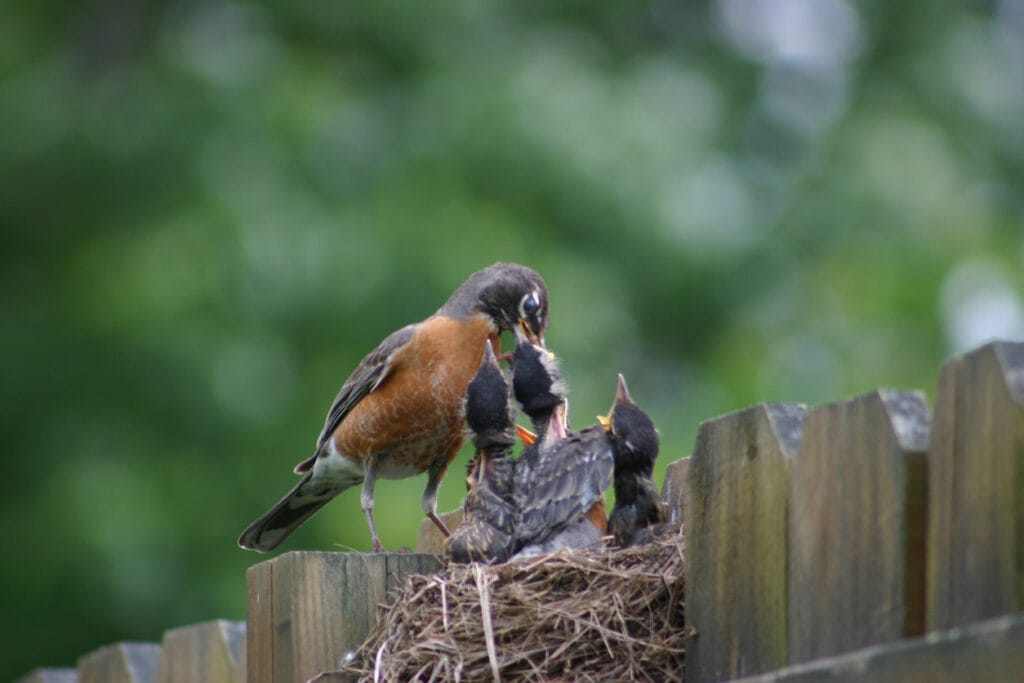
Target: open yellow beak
x,y
525,435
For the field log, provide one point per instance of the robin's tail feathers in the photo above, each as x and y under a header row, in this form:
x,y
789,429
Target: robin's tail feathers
x,y
275,525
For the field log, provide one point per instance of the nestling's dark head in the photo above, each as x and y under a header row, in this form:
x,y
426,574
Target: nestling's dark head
x,y
536,380
513,295
488,406
636,439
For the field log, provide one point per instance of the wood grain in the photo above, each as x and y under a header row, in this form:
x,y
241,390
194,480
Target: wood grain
x,y
120,663
673,490
309,610
856,525
976,488
211,652
736,521
986,652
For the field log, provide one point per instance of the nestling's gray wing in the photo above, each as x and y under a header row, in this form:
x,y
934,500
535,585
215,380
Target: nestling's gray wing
x,y
563,484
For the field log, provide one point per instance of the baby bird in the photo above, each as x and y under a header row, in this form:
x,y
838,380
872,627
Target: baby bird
x,y
488,521
637,508
561,478
540,389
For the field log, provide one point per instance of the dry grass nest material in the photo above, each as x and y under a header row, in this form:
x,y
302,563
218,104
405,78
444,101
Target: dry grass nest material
x,y
580,615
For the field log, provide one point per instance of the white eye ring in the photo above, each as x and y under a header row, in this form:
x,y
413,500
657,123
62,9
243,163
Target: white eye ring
x,y
529,305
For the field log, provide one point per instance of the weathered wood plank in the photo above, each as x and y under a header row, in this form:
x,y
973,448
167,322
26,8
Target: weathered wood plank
x,y
430,539
50,676
736,521
212,652
985,652
120,663
976,488
673,490
310,609
856,524
259,626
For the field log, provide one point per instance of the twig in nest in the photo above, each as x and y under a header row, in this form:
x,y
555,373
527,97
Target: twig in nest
x,y
485,616
444,606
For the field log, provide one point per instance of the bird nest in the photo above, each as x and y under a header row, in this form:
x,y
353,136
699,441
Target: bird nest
x,y
572,615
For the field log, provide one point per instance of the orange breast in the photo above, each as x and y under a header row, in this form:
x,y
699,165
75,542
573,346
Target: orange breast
x,y
415,418
598,516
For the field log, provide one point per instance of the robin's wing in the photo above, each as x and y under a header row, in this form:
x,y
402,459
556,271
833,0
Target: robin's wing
x,y
368,375
563,484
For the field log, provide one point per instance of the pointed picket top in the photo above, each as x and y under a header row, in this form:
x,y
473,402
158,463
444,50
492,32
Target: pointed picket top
x,y
211,652
787,421
909,416
1011,359
857,512
976,487
736,520
673,490
120,663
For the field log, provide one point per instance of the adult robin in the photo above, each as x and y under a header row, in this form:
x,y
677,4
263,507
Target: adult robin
x,y
637,508
400,412
560,479
486,533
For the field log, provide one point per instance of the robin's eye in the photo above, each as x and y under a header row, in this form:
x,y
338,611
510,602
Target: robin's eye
x,y
529,305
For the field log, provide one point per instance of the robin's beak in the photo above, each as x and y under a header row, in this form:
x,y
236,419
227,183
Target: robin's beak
x,y
527,330
606,421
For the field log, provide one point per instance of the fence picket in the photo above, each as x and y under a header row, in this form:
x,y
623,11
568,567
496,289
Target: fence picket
x,y
737,491
673,490
976,488
120,663
308,610
212,652
50,676
851,559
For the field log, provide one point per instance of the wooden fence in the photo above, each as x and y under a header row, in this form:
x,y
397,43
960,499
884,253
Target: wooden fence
x,y
813,533
869,539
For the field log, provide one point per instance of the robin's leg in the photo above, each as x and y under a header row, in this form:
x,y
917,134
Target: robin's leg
x,y
496,347
366,499
434,477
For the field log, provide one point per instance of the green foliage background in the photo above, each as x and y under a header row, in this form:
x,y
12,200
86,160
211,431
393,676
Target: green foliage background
x,y
211,210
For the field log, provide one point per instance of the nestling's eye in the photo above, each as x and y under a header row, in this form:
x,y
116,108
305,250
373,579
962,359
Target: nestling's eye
x,y
529,305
